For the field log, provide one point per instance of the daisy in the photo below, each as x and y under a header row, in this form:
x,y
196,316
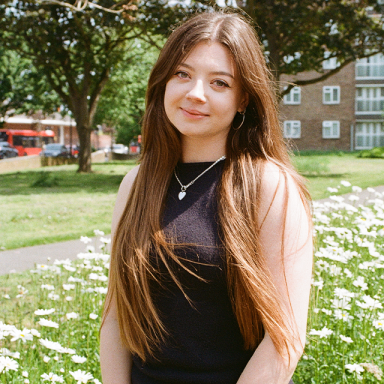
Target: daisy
x,y
322,333
7,364
43,312
85,239
48,323
72,315
68,287
24,335
81,376
354,368
78,359
346,339
52,377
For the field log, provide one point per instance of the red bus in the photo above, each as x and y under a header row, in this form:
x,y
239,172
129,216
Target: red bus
x,y
27,141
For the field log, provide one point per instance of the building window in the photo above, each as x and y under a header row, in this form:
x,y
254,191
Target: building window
x,y
370,67
331,95
292,129
331,129
369,135
330,63
293,97
369,100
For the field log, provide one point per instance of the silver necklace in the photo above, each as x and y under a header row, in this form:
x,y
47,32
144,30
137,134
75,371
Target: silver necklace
x,y
183,191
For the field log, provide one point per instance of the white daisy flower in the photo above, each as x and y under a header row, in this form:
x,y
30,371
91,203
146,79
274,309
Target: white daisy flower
x,y
8,364
24,335
346,339
82,377
354,368
43,312
72,315
48,323
52,378
85,239
78,359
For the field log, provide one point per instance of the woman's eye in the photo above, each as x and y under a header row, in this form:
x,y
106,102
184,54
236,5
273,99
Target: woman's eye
x,y
221,83
182,75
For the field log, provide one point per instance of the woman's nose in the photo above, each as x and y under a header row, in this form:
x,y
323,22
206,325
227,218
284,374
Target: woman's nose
x,y
197,92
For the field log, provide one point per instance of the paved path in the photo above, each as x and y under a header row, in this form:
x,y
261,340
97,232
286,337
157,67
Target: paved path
x,y
18,260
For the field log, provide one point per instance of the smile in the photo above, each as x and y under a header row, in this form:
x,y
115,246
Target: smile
x,y
193,114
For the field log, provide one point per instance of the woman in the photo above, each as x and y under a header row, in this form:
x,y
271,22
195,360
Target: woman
x,y
212,252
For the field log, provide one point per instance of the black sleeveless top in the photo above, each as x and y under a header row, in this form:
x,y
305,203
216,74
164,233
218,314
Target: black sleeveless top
x,y
204,345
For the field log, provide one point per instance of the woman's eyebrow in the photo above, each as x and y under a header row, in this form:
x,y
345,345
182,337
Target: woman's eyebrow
x,y
222,73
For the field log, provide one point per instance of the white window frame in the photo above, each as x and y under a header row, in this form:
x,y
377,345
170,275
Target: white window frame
x,y
289,125
372,105
331,124
289,98
372,133
370,67
330,89
330,63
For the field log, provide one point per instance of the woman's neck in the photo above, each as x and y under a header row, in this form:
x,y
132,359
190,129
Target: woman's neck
x,y
201,152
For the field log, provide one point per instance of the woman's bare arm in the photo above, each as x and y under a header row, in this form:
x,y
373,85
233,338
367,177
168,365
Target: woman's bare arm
x,y
266,365
115,359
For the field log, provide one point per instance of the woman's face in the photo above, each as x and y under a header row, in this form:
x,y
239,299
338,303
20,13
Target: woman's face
x,y
204,94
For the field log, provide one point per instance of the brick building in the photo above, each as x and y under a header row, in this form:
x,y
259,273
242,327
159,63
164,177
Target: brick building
x,y
343,112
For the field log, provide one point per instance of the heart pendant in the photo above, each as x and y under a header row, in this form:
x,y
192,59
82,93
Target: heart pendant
x,y
182,195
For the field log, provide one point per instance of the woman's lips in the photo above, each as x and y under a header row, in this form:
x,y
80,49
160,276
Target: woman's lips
x,y
193,114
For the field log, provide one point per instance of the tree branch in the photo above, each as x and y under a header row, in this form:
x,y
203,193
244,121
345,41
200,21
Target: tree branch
x,y
324,76
80,5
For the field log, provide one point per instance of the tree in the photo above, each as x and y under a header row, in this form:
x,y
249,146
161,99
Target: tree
x,y
21,88
298,35
74,51
122,101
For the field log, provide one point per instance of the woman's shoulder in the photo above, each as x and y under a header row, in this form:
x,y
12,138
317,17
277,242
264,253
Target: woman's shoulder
x,y
128,180
275,177
278,189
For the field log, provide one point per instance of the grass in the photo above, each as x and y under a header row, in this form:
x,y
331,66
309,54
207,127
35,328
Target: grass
x,y
40,207
345,333
327,170
57,204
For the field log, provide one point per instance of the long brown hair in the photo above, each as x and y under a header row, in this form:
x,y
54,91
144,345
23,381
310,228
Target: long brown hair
x,y
255,300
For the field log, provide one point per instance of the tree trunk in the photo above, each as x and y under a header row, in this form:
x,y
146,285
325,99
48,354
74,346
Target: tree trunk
x,y
83,127
85,149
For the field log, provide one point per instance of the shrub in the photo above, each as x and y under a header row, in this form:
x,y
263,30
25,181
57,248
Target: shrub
x,y
374,153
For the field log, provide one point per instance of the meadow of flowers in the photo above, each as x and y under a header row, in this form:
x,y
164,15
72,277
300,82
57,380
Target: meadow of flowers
x,y
50,319
50,333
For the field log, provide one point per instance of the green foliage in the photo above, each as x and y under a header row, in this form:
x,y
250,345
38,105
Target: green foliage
x,y
46,179
297,34
22,89
122,101
374,153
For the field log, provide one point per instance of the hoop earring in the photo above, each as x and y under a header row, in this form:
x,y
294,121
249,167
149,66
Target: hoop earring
x,y
243,114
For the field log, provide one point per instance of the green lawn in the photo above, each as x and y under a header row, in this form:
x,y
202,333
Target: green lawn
x,y
328,170
41,207
65,206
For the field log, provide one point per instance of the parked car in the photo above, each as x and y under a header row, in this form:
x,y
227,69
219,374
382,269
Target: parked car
x,y
55,150
7,150
117,148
